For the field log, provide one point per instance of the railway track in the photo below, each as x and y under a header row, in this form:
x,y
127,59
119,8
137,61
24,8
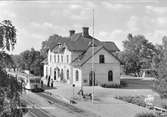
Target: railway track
x,y
68,107
35,109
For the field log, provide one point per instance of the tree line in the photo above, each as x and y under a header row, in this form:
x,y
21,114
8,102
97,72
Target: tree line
x,y
138,53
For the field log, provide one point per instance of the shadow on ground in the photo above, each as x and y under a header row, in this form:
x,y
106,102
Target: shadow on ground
x,y
45,87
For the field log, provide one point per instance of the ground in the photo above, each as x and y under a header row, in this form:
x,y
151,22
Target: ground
x,y
105,105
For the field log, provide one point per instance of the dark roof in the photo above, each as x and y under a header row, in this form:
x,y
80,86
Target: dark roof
x,y
84,57
110,46
58,40
76,36
45,61
58,49
78,42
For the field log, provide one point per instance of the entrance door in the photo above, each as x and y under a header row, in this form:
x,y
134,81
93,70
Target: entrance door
x,y
54,74
62,75
92,78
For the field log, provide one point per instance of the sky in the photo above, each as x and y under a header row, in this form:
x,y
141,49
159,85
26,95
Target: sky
x,y
35,21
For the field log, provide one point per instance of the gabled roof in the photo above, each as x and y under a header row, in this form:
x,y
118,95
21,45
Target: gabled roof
x,y
78,42
110,46
84,57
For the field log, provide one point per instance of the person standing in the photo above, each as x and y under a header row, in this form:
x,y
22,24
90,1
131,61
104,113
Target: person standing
x,y
52,83
41,84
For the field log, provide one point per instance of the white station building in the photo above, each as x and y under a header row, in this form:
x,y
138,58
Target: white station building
x,y
81,59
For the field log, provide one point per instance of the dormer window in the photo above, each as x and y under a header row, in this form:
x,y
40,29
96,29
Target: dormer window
x,y
101,59
59,44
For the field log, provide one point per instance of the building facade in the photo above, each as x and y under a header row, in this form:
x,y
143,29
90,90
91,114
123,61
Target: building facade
x,y
81,59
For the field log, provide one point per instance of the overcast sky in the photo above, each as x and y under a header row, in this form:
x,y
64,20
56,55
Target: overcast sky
x,y
37,20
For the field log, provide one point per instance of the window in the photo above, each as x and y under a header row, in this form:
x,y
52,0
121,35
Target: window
x,y
77,75
46,71
50,70
101,59
67,58
68,74
110,76
55,58
58,58
50,58
58,70
62,58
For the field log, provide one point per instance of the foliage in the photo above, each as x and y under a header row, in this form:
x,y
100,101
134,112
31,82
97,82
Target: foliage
x,y
164,103
7,35
160,65
6,60
30,60
122,84
146,115
110,85
161,87
9,87
49,44
138,100
138,53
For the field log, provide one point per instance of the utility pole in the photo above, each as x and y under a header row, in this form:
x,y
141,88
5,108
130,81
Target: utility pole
x,y
92,74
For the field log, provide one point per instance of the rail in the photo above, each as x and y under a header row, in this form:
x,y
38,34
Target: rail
x,y
37,107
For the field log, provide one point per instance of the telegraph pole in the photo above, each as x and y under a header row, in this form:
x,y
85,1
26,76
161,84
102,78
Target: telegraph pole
x,y
92,74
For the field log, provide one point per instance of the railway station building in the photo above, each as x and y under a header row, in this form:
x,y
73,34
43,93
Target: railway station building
x,y
81,59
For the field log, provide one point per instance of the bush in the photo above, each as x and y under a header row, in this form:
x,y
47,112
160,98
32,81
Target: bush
x,y
123,84
146,115
24,107
164,103
138,100
110,85
161,87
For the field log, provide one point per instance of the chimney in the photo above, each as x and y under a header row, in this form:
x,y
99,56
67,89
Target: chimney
x,y
72,32
85,31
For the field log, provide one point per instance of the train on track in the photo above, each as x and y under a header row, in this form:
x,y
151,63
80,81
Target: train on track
x,y
28,81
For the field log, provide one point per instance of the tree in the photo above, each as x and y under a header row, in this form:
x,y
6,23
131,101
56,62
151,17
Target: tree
x,y
160,65
50,43
9,87
7,35
138,53
30,60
